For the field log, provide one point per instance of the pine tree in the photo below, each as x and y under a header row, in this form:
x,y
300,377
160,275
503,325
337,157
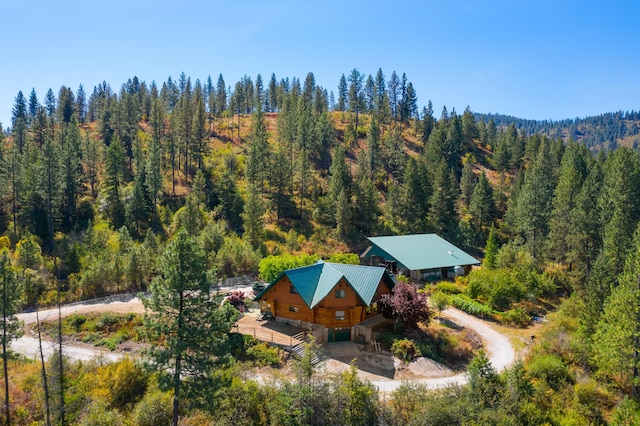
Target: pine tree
x,y
584,239
415,194
71,171
252,217
428,124
273,94
490,250
481,206
280,178
393,92
365,197
467,180
342,94
339,178
114,180
616,342
442,216
620,205
534,202
34,105
573,172
356,99
192,323
258,151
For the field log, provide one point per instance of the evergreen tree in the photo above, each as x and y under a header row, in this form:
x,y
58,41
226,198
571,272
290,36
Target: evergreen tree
x,y
50,103
34,105
71,171
192,323
221,95
369,93
153,179
81,105
280,180
258,151
339,178
381,101
252,217
138,206
325,139
272,94
415,194
199,141
394,157
393,92
66,104
342,94
356,98
616,345
584,239
620,205
114,180
490,250
534,202
365,197
573,172
50,179
467,180
428,123
442,216
481,206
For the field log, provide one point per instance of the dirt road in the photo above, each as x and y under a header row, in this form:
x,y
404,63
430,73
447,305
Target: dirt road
x,y
497,346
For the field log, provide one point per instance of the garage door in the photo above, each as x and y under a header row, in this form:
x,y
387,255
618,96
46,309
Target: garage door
x,y
342,334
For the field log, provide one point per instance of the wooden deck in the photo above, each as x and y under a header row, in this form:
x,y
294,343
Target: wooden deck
x,y
269,331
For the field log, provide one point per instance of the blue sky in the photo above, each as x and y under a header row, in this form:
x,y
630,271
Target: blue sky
x,y
539,59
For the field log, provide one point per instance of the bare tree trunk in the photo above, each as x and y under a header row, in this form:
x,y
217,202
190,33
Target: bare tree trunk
x,y
44,373
60,364
176,373
4,355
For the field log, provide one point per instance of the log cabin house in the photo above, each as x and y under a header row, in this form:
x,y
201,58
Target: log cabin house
x,y
330,295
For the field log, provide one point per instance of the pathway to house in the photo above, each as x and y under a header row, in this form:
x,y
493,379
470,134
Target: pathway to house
x,y
497,346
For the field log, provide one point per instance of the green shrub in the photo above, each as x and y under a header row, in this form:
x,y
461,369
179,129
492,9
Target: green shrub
x,y
550,369
405,349
517,316
272,266
388,338
155,409
97,413
447,288
263,355
439,301
499,288
470,306
76,321
347,258
107,320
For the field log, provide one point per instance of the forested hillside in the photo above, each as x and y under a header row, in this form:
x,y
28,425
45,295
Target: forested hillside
x,y
104,181
605,131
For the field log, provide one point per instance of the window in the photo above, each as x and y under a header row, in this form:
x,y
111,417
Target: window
x,y
340,315
293,290
293,308
341,293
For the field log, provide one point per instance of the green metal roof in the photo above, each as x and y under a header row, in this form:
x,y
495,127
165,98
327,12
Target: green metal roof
x,y
419,251
315,282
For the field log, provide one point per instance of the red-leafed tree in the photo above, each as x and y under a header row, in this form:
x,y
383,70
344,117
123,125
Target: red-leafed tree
x,y
405,305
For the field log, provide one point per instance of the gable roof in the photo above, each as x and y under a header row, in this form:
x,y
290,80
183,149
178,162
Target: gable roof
x,y
315,282
419,251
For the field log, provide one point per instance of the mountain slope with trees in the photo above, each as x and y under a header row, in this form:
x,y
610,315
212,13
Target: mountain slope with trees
x,y
105,182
